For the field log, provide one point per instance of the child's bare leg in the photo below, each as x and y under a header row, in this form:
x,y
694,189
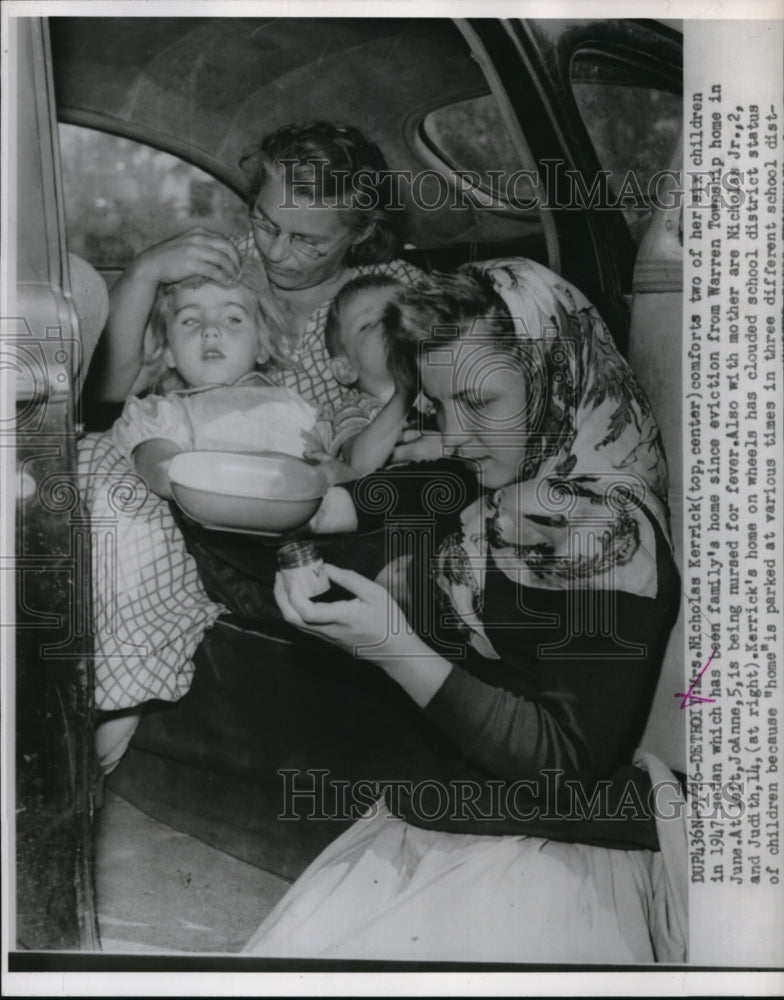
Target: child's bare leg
x,y
112,736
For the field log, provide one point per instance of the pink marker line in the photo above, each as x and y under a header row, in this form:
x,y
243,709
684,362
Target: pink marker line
x,y
690,698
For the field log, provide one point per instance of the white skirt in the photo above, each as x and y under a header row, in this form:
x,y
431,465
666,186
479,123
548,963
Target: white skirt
x,y
389,890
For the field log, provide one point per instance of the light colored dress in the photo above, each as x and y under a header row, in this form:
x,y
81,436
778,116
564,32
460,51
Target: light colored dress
x,y
388,890
250,415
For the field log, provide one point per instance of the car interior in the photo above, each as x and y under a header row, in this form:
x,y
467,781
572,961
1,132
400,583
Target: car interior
x,y
154,119
133,87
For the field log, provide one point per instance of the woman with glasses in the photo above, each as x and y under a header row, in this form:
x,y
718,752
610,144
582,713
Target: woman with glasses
x,y
320,214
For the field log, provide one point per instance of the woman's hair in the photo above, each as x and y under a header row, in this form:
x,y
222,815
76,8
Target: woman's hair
x,y
253,278
335,165
439,308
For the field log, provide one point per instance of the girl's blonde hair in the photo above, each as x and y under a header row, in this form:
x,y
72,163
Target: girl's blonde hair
x,y
272,321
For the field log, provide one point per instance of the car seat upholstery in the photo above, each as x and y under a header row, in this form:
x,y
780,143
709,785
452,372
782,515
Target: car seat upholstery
x,y
91,302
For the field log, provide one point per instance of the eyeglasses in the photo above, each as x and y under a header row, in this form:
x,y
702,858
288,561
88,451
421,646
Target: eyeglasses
x,y
299,244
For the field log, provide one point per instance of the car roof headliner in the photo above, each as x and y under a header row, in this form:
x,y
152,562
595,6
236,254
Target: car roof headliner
x,y
205,88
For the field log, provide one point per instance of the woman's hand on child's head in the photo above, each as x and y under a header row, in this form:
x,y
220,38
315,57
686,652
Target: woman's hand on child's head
x,y
336,514
197,251
418,446
370,626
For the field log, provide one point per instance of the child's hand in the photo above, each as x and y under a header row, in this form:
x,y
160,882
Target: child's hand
x,y
419,447
335,471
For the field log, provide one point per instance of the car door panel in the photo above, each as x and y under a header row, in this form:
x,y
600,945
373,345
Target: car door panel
x,y
53,679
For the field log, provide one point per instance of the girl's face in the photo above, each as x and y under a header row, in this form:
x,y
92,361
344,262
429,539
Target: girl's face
x,y
302,245
481,401
213,335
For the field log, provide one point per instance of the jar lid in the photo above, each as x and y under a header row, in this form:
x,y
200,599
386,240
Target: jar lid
x,y
297,554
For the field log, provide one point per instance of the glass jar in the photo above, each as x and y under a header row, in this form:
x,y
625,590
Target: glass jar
x,y
302,569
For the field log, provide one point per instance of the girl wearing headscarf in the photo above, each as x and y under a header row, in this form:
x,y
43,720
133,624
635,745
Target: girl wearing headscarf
x,y
529,628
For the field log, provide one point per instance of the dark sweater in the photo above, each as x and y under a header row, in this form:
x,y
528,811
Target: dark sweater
x,y
559,714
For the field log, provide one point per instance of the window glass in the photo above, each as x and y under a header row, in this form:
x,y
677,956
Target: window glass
x,y
633,127
472,135
122,196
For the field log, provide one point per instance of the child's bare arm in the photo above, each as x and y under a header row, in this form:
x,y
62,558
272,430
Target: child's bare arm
x,y
151,460
371,448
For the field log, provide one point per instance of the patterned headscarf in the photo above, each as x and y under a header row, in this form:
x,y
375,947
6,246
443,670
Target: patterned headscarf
x,y
594,460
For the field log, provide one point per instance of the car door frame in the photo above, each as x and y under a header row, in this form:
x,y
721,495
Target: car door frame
x,y
526,63
49,687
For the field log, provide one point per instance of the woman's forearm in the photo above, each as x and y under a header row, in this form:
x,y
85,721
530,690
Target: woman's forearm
x,y
420,672
504,733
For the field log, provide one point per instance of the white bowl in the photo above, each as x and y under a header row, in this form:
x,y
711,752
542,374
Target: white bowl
x,y
246,491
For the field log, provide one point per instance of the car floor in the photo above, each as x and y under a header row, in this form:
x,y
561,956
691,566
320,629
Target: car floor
x,y
159,890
